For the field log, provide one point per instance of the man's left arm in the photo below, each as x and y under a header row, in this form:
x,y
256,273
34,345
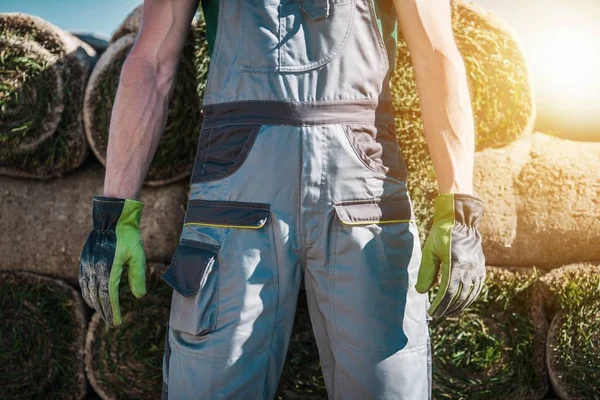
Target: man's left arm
x,y
453,246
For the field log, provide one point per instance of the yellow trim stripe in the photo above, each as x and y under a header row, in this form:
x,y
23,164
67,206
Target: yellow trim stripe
x,y
224,226
376,222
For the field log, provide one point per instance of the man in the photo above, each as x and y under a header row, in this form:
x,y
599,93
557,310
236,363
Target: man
x,y
298,175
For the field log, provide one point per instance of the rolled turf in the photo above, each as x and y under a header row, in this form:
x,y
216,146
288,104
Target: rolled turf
x,y
500,88
41,337
573,345
540,193
131,24
177,147
42,76
495,348
126,362
46,224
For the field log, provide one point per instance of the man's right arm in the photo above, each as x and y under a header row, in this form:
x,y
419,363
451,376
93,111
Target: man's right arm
x,y
138,119
139,114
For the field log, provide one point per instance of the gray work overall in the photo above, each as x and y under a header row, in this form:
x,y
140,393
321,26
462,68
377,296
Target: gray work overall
x,y
298,175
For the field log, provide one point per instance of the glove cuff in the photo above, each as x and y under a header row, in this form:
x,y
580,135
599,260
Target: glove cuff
x,y
461,208
108,211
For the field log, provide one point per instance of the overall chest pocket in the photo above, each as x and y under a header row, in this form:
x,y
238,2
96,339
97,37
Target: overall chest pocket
x,y
293,35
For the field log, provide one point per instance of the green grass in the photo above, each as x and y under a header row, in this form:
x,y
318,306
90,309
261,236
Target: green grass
x,y
39,338
63,151
575,292
127,360
493,350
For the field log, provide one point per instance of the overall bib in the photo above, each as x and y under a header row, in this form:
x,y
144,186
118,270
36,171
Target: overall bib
x,y
298,176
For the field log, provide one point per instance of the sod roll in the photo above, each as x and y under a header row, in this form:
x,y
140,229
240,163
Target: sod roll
x,y
500,88
45,224
177,147
126,362
572,351
42,77
131,24
41,338
541,195
495,348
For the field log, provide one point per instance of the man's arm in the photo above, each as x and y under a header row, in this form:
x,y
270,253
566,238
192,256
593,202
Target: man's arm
x,y
139,114
443,91
453,249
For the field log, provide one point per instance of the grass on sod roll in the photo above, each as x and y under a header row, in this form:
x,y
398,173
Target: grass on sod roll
x,y
31,90
126,362
495,348
41,338
177,147
21,76
573,348
500,90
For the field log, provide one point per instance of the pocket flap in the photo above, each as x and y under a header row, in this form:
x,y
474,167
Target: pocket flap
x,y
228,214
375,211
191,264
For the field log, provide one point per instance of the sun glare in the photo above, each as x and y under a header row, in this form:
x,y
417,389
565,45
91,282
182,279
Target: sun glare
x,y
565,67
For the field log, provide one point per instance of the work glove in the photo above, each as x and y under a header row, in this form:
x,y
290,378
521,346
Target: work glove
x,y
453,248
114,242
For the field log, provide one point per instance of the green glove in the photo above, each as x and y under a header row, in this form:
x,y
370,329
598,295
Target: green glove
x,y
114,242
454,247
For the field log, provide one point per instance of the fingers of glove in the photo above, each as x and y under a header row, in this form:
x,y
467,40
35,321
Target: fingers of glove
x,y
86,273
466,289
85,290
429,268
466,302
137,271
447,290
92,290
109,295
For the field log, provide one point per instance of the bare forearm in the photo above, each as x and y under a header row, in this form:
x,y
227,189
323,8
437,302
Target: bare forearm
x,y
447,120
138,119
443,90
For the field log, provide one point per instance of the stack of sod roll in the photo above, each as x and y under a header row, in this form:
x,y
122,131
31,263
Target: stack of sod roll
x,y
43,71
177,147
41,337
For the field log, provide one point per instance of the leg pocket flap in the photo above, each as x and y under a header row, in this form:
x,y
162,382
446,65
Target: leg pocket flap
x,y
227,214
364,212
190,266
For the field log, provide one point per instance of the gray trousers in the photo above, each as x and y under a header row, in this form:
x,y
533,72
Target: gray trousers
x,y
328,203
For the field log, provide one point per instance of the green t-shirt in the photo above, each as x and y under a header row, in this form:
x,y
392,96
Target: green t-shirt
x,y
386,20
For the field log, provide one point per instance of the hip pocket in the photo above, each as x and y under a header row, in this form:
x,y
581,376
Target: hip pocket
x,y
221,151
293,35
376,147
225,255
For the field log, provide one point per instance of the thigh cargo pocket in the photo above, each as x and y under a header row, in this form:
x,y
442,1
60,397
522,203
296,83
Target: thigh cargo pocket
x,y
293,35
376,253
193,274
225,255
